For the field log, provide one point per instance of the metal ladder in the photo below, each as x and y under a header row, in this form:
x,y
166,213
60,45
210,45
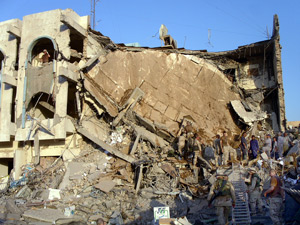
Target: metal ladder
x,y
241,212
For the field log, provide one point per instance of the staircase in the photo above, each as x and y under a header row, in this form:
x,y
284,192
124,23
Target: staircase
x,y
240,213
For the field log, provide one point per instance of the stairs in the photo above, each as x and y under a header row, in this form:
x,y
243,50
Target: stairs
x,y
241,212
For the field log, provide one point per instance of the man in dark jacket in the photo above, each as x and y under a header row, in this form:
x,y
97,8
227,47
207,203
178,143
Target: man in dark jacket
x,y
254,147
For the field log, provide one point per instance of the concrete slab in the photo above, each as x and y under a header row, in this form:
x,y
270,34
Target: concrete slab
x,y
105,185
45,215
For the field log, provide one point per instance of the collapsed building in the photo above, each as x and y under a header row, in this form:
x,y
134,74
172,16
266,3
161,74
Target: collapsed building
x,y
90,87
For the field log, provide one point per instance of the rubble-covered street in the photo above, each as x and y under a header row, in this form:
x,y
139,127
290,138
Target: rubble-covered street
x,y
104,133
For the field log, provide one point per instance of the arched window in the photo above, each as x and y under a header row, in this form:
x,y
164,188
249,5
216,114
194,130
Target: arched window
x,y
1,60
42,52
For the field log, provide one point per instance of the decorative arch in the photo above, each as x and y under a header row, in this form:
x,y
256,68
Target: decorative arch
x,y
40,43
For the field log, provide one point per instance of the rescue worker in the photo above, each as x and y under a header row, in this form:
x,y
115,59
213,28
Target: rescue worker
x,y
227,149
254,190
218,150
222,195
275,196
198,152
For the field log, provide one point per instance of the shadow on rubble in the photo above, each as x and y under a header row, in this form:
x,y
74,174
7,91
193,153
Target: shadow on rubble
x,y
194,210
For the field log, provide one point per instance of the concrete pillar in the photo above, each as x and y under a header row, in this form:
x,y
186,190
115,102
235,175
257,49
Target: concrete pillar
x,y
19,161
61,105
3,168
6,102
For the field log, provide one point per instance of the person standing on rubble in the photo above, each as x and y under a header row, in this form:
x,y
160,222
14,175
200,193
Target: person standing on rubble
x,y
280,141
244,147
181,143
286,142
254,190
223,196
218,150
274,153
267,145
225,148
276,196
198,154
254,147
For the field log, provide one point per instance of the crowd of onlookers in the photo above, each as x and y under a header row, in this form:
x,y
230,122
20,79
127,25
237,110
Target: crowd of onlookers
x,y
275,147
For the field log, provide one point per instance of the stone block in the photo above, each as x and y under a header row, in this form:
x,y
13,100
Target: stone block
x,y
161,107
156,116
171,113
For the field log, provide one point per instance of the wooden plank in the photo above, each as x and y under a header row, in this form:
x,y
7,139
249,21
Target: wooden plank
x,y
139,179
135,144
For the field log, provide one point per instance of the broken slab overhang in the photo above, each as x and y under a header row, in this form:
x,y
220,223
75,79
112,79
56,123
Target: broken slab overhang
x,y
246,116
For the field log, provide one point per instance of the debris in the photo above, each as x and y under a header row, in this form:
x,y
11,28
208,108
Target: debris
x,y
45,215
69,211
161,213
105,185
54,194
246,116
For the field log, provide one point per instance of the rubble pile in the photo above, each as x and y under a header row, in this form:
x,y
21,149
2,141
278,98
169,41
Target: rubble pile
x,y
130,135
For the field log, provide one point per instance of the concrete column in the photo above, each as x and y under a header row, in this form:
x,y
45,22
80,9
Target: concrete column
x,y
3,168
19,161
61,106
6,102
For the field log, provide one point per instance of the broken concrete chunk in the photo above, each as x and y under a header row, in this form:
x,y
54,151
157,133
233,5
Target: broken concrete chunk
x,y
105,185
246,116
25,192
76,170
45,215
264,156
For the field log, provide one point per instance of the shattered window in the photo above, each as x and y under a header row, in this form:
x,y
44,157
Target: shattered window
x,y
76,45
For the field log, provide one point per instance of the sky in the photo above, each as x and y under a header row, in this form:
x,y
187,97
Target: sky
x,y
215,25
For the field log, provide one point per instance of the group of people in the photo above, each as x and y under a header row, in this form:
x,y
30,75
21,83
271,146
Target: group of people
x,y
274,147
222,195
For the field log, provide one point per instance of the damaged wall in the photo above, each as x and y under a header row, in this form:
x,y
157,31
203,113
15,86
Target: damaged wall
x,y
174,86
9,47
89,76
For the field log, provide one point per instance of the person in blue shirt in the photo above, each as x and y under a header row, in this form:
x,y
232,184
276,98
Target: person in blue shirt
x,y
254,147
